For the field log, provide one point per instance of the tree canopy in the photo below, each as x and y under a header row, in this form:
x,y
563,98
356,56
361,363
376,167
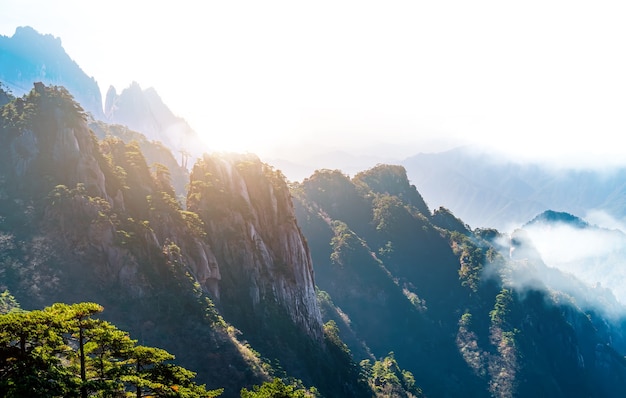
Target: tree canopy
x,y
63,351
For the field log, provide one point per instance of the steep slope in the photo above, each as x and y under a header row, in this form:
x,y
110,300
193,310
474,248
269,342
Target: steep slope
x,y
448,301
144,111
267,285
82,220
391,273
569,345
590,253
155,153
28,57
263,241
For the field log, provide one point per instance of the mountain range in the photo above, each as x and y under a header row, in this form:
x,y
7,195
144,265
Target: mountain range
x,y
487,190
28,56
350,285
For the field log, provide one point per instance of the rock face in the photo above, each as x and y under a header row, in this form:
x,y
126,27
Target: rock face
x,y
55,145
264,259
144,111
47,135
89,220
29,57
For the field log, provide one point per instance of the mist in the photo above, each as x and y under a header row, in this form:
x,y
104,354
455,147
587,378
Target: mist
x,y
583,260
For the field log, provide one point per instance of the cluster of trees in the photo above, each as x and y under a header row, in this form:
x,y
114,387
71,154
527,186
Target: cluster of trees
x,y
387,379
63,351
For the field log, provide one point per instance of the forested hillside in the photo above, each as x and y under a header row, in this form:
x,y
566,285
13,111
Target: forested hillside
x,y
448,301
88,220
332,287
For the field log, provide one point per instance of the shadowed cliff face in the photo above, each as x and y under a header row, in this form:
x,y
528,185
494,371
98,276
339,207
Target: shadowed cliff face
x,y
465,312
264,259
92,189
82,220
248,235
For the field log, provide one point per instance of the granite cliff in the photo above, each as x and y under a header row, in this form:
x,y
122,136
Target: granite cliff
x,y
83,219
251,225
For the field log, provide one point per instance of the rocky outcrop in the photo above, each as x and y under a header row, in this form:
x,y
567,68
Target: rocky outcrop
x,y
392,180
29,57
264,259
46,134
102,198
144,111
48,151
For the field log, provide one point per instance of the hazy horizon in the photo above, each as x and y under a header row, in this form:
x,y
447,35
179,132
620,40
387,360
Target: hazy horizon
x,y
539,81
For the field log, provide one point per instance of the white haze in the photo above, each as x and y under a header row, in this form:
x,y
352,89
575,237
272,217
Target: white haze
x,y
541,80
594,256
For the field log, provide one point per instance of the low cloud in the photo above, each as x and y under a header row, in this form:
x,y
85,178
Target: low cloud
x,y
586,263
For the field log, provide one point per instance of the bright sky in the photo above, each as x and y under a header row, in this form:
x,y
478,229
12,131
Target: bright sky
x,y
536,77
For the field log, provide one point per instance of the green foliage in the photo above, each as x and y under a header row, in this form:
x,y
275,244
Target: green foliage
x,y
277,389
444,218
392,180
343,243
62,351
39,106
8,303
163,179
471,259
331,331
387,379
388,212
501,308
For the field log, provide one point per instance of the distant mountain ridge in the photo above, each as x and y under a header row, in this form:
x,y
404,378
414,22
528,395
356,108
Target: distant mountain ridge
x,y
29,57
551,216
486,191
467,312
144,111
83,219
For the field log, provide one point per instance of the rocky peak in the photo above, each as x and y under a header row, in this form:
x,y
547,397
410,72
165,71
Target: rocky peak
x,y
553,217
45,133
264,259
109,101
29,56
392,180
144,111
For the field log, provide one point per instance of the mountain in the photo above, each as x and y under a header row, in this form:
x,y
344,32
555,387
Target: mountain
x,y
350,285
28,57
590,253
557,217
467,312
297,168
144,111
155,153
487,191
83,219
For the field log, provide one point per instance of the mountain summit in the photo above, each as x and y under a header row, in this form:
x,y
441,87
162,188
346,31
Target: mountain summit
x,y
551,216
29,57
144,111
